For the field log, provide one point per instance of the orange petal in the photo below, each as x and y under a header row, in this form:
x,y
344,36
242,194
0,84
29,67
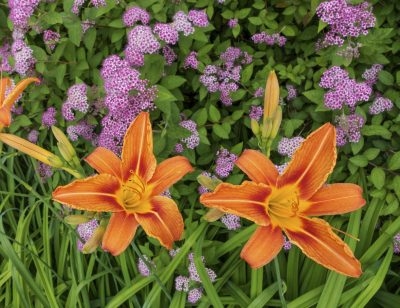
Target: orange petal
x,y
258,167
247,200
4,84
165,223
312,162
96,193
317,241
334,199
120,232
105,161
263,246
137,151
169,172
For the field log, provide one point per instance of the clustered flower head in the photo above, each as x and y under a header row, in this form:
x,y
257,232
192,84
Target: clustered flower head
x,y
51,38
269,39
134,14
87,24
191,61
292,92
256,112
351,51
23,57
232,23
44,171
76,100
396,243
21,11
85,232
190,142
5,52
288,146
348,128
379,105
259,92
344,20
169,55
49,117
370,75
126,96
225,77
83,129
79,3
231,221
192,283
144,270
224,163
343,91
33,136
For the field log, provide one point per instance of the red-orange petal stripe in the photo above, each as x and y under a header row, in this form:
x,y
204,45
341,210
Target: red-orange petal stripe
x,y
96,193
247,200
263,246
318,242
334,199
312,162
169,172
137,150
105,161
120,232
258,167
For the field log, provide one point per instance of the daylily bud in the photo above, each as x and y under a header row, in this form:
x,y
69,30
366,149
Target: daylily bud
x,y
271,96
95,241
207,182
276,122
76,219
213,215
64,145
255,127
32,150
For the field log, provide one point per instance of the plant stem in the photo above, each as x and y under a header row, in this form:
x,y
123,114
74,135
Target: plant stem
x,y
278,277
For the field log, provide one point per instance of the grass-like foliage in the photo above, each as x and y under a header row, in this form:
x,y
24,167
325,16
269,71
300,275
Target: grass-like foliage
x,y
104,104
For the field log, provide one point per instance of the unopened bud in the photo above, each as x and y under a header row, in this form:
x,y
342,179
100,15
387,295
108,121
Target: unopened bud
x,y
208,182
271,96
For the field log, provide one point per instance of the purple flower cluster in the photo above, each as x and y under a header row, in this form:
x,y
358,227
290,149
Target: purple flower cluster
x,y
231,221
51,38
134,14
281,168
269,39
288,146
292,92
396,243
190,142
126,96
351,51
256,112
85,232
182,24
49,117
77,100
169,55
348,128
5,52
79,3
44,171
370,75
144,270
23,57
225,77
21,11
259,92
192,283
344,20
82,129
142,40
87,24
202,189
191,61
33,136
342,89
232,23
224,163
198,18
286,244
379,105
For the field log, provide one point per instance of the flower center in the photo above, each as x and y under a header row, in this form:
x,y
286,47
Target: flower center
x,y
283,204
133,191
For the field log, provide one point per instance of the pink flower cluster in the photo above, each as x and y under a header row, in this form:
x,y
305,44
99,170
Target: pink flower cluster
x,y
85,232
348,128
225,77
5,52
344,20
269,39
23,57
256,112
83,129
49,117
134,14
190,142
371,74
343,91
292,92
21,11
191,61
396,243
51,38
144,270
126,96
287,146
79,3
192,283
379,105
224,163
77,100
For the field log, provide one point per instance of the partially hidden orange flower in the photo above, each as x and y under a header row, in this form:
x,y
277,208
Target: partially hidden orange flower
x,y
131,189
284,202
6,102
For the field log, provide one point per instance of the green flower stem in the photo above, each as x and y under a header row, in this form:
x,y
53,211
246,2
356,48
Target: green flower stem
x,y
278,278
256,282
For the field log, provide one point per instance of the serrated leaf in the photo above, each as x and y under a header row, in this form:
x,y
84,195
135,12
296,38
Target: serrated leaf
x,y
315,96
172,82
376,130
52,18
371,153
378,177
200,116
221,131
255,21
289,31
247,73
243,13
386,78
359,161
394,161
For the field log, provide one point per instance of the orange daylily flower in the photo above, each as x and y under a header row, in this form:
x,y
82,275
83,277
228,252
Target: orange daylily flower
x,y
284,202
6,102
130,188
